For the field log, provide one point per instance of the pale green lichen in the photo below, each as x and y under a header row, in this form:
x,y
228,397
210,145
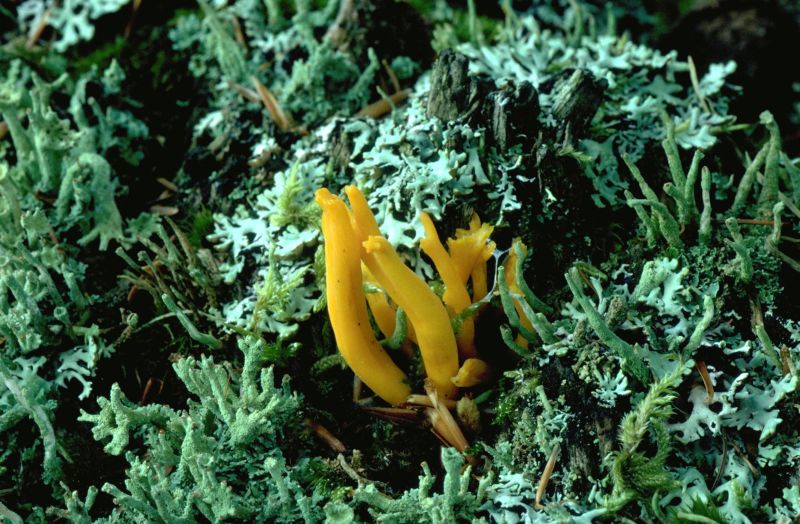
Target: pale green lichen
x,y
195,456
640,83
458,500
73,20
608,357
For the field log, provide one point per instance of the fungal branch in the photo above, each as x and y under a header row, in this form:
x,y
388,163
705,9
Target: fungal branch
x,y
405,308
347,307
456,297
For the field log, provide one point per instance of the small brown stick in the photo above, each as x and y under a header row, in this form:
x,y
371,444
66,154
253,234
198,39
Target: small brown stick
x,y
546,474
747,462
440,438
447,432
358,386
164,211
3,129
443,423
186,246
263,158
245,92
336,33
722,461
701,368
394,414
132,293
584,276
164,195
392,76
424,400
149,386
758,317
325,435
786,361
348,469
167,183
383,106
134,11
44,198
36,32
238,33
281,119
750,221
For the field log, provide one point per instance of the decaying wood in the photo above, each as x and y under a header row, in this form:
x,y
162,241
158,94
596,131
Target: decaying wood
x,y
510,113
577,98
454,94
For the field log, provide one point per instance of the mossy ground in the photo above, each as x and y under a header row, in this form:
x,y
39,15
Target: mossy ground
x,y
160,92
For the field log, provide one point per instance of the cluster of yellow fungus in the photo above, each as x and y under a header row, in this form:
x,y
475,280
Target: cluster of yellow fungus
x,y
356,252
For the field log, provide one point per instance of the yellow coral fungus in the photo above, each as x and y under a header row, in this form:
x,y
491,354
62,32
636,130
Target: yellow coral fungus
x,y
364,222
455,296
513,286
469,246
470,250
384,314
480,287
365,225
424,310
473,371
429,323
347,305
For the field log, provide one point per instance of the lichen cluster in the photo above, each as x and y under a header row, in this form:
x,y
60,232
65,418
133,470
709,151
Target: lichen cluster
x,y
183,325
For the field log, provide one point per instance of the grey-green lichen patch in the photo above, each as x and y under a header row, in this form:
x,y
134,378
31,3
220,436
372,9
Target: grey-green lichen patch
x,y
72,20
639,81
55,183
656,381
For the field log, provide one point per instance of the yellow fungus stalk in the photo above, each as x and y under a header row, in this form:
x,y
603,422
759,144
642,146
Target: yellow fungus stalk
x,y
364,226
470,250
470,246
347,306
480,287
473,371
364,222
513,286
455,296
424,310
382,311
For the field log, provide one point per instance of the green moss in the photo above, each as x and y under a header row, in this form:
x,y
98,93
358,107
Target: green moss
x,y
202,223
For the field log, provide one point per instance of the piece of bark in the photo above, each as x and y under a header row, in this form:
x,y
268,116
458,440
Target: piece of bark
x,y
576,99
341,147
511,115
454,94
